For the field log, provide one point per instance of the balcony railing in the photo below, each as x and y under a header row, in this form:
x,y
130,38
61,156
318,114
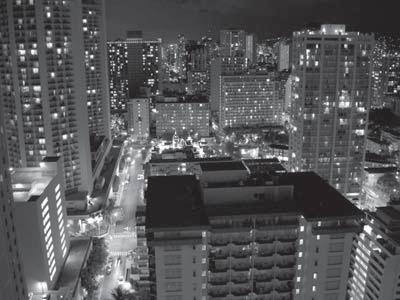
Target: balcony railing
x,y
218,280
263,265
265,239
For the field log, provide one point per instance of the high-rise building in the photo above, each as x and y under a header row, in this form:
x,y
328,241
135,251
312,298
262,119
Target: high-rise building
x,y
144,58
151,65
222,236
250,99
283,56
118,75
94,41
376,258
40,215
45,84
139,117
181,57
12,281
223,66
189,114
250,51
232,42
330,99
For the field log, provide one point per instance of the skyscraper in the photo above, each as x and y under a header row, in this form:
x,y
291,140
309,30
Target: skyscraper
x,y
181,57
94,41
232,42
12,282
250,51
330,99
376,257
144,58
45,84
118,74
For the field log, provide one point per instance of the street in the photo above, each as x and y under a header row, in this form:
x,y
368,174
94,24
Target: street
x,y
122,237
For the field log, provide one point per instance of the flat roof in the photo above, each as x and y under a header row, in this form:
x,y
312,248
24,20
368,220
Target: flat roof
x,y
77,255
380,170
177,201
316,198
29,183
222,166
174,201
195,159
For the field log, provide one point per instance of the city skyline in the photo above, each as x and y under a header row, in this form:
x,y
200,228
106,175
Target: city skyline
x,y
267,19
197,157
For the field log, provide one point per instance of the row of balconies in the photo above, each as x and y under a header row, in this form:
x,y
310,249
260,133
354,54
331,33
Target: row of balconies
x,y
258,237
280,290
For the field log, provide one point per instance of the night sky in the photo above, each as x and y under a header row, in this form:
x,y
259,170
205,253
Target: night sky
x,y
266,18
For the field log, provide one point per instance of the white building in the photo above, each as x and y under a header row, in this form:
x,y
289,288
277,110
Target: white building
x,y
139,117
376,259
40,216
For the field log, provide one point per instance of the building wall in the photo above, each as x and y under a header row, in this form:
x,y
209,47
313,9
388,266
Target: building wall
x,y
44,241
94,40
42,87
376,263
144,58
180,271
329,104
323,259
250,48
12,281
181,116
248,100
139,117
232,42
118,74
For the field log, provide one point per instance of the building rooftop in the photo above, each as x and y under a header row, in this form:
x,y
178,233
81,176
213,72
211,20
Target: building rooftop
x,y
279,146
76,259
183,99
178,201
223,166
378,141
316,198
174,201
194,160
380,170
29,183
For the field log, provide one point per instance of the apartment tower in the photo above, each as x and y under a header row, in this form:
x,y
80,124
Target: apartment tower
x,y
330,99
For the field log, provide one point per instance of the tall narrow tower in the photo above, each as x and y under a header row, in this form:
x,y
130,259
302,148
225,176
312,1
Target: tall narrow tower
x,y
12,282
49,61
330,99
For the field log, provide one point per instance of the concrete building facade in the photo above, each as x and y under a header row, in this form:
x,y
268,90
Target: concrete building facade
x,y
12,280
262,237
189,115
250,99
139,117
330,99
118,75
45,85
40,211
376,258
